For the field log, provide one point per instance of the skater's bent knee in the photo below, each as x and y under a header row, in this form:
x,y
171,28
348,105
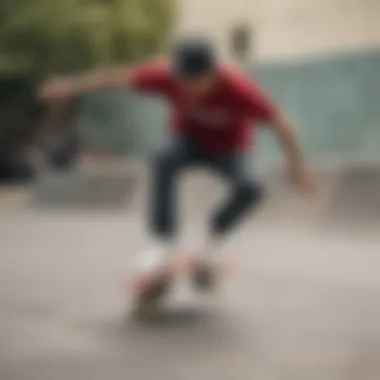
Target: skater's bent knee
x,y
250,191
162,157
164,160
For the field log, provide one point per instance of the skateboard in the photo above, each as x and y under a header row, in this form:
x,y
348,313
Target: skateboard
x,y
149,292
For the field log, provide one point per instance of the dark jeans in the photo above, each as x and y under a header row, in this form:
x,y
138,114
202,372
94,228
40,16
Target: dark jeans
x,y
182,154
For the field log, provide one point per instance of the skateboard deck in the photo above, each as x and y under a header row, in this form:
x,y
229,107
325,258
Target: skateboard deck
x,y
149,291
179,267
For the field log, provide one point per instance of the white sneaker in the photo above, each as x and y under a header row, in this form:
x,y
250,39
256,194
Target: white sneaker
x,y
151,261
152,282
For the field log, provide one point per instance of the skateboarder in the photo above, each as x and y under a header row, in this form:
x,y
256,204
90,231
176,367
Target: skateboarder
x,y
215,111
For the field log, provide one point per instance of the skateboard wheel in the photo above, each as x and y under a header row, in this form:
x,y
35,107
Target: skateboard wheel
x,y
204,277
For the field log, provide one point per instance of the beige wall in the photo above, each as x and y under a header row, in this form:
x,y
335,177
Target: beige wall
x,y
287,28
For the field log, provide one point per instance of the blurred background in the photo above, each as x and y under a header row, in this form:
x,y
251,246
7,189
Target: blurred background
x,y
304,305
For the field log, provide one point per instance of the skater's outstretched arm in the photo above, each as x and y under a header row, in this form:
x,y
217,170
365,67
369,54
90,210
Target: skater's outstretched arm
x,y
286,134
145,77
258,105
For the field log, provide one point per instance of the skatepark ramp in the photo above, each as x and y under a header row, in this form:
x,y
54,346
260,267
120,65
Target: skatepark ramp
x,y
84,188
356,197
347,195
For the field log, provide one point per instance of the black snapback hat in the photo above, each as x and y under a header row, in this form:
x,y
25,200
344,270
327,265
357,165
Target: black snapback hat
x,y
193,56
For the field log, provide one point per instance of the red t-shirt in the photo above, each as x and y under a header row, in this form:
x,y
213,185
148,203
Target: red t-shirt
x,y
221,122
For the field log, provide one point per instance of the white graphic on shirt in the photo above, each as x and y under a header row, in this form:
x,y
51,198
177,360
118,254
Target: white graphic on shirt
x,y
210,118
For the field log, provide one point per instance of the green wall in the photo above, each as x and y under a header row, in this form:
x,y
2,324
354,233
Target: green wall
x,y
334,100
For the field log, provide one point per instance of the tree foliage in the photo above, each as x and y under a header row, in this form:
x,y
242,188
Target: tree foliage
x,y
44,37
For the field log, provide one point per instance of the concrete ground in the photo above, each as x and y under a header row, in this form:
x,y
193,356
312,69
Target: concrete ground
x,y
302,305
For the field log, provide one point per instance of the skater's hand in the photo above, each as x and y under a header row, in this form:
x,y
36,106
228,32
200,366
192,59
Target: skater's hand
x,y
55,90
302,179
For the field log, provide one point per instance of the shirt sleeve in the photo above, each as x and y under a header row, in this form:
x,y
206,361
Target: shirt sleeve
x,y
150,78
256,104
